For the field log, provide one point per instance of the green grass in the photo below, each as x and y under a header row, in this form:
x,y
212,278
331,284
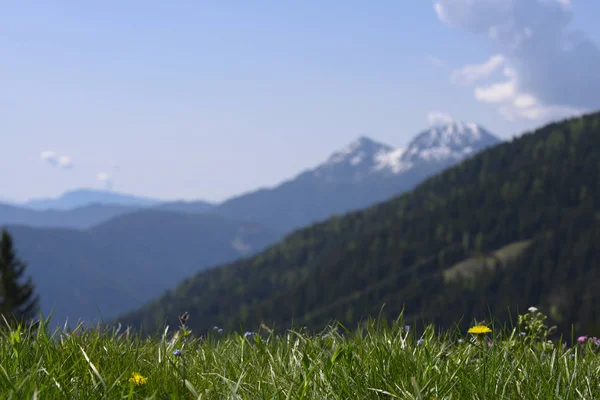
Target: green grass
x,y
378,362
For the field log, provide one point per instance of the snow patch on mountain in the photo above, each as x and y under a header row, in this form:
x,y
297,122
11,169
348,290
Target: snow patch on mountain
x,y
440,144
448,143
354,162
358,151
392,161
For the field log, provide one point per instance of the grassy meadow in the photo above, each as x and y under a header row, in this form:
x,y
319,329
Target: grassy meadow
x,y
377,361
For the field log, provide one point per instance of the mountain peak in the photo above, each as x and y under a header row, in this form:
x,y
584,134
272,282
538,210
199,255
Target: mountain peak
x,y
354,162
357,151
457,129
448,142
442,144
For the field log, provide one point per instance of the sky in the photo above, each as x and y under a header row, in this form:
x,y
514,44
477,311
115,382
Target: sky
x,y
206,100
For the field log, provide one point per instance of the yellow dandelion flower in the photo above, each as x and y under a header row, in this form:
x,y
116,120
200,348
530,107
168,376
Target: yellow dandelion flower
x,y
479,330
138,379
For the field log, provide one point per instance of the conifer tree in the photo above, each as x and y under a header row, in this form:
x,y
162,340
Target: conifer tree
x,y
17,301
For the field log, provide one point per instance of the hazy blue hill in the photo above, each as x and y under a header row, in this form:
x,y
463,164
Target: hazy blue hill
x,y
516,225
301,202
86,197
122,263
76,218
192,207
65,213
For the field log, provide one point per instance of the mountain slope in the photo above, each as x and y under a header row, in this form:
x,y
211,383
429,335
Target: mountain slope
x,y
122,263
190,207
76,218
358,176
65,213
534,199
86,197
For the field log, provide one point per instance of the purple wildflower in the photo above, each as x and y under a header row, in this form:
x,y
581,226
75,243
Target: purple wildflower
x,y
177,353
420,341
581,339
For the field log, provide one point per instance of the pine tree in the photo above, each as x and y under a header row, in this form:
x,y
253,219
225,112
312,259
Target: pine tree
x,y
16,300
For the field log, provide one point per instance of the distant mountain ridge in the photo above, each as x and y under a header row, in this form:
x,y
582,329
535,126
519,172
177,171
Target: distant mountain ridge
x,y
188,207
85,197
76,218
437,145
82,209
360,175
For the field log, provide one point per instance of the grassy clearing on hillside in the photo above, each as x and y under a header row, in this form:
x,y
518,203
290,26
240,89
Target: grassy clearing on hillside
x,y
379,362
468,269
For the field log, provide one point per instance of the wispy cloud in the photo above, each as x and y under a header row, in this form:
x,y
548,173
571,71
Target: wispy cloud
x,y
436,62
496,93
65,162
51,158
551,69
439,118
104,178
472,73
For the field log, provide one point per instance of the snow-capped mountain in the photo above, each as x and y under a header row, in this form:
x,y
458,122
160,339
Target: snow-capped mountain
x,y
358,176
355,162
447,143
440,145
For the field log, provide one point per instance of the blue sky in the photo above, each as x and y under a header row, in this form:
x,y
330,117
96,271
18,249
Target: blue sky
x,y
204,100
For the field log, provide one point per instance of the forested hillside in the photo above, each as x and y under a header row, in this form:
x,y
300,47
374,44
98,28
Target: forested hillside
x,y
514,226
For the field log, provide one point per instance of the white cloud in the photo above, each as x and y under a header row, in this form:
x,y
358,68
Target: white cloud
x,y
54,160
524,101
548,113
439,9
439,118
104,178
506,113
436,62
472,73
528,108
49,157
510,73
496,93
552,70
65,162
